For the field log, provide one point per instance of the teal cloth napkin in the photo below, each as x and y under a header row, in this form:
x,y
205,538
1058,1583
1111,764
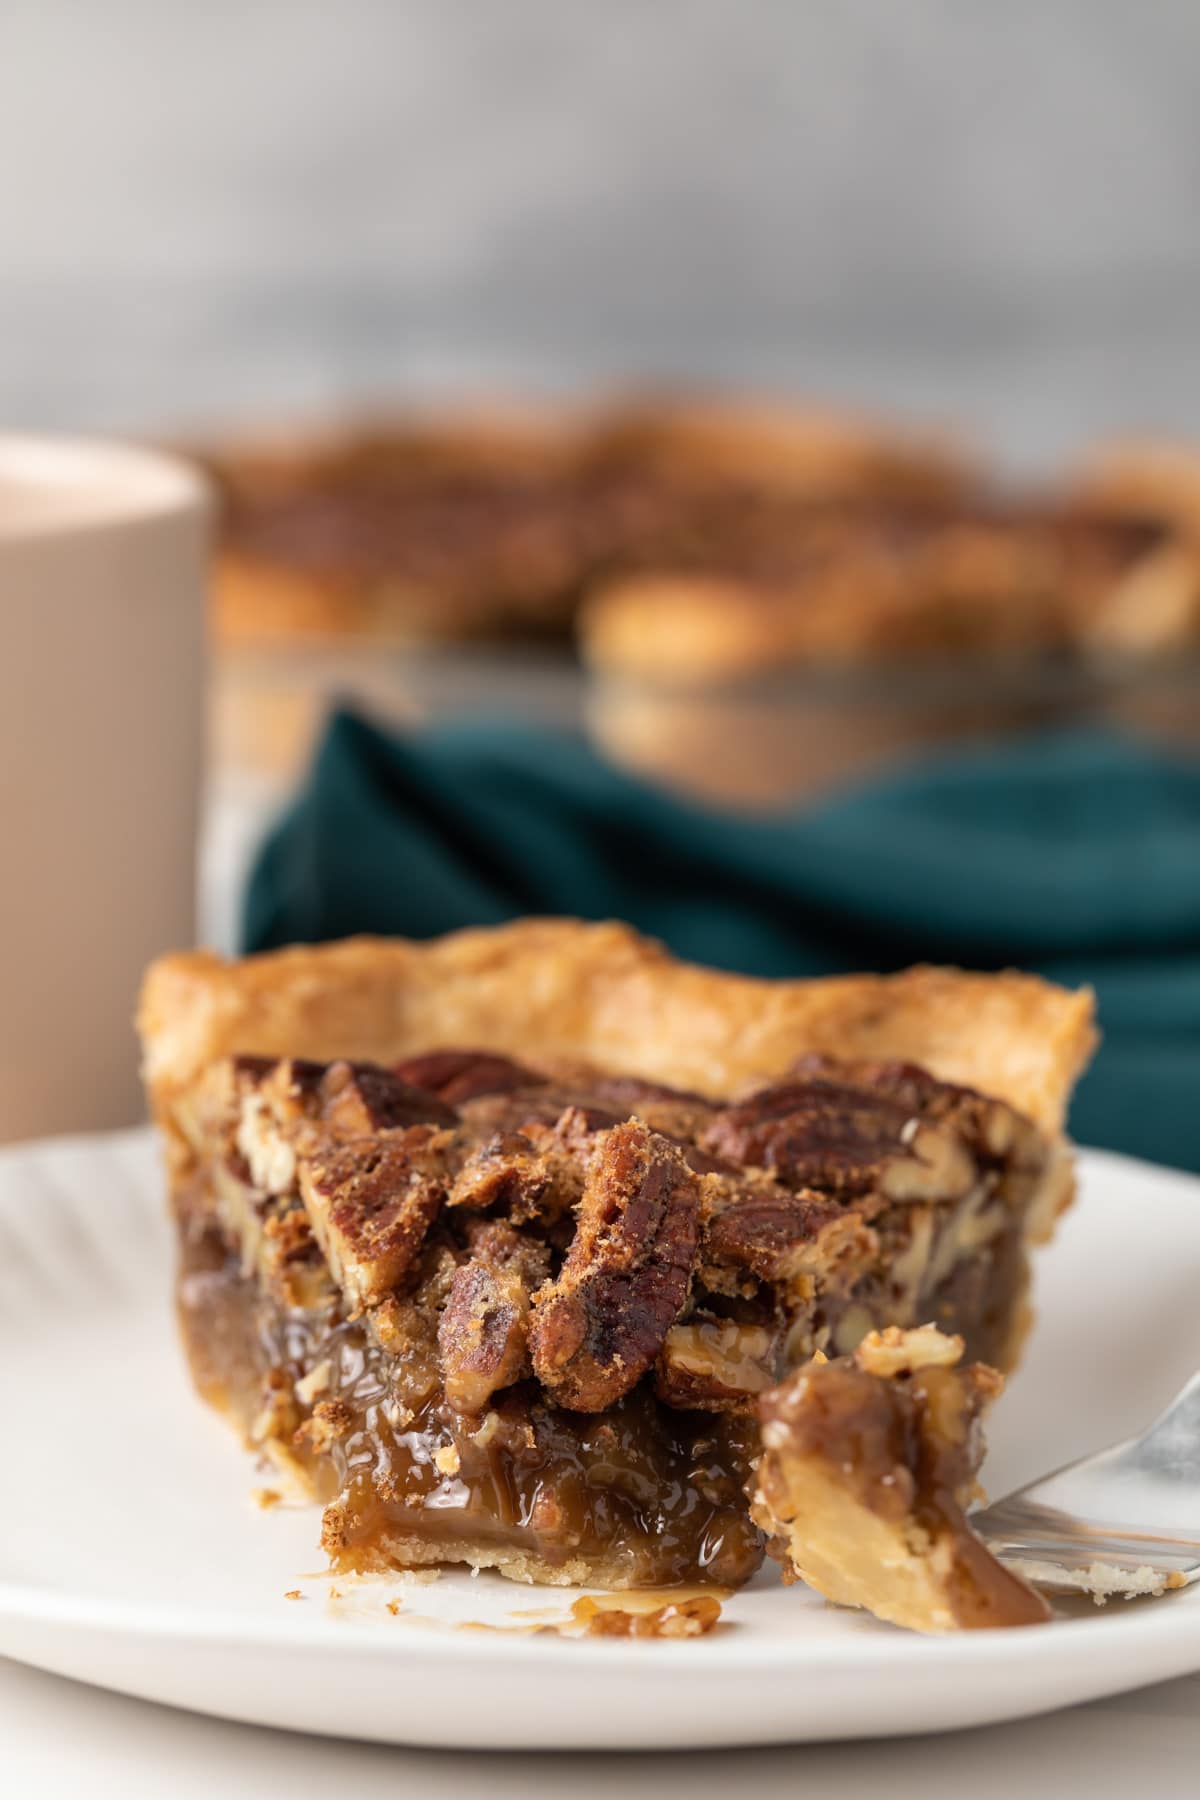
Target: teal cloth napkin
x,y
1075,855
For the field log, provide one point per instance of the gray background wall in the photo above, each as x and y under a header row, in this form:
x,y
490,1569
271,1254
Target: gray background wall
x,y
216,210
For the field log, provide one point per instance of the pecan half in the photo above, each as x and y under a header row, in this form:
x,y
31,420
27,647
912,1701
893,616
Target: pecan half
x,y
283,1108
536,1172
360,1098
780,1236
673,1111
456,1076
483,1329
532,1108
371,1202
599,1326
995,1131
854,1142
507,1172
717,1365
811,1133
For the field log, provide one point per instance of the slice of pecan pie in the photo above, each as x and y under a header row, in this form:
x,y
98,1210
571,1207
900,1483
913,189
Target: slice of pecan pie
x,y
501,1244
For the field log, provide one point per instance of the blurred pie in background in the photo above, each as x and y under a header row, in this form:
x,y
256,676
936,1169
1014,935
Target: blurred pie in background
x,y
1154,481
883,628
495,524
761,600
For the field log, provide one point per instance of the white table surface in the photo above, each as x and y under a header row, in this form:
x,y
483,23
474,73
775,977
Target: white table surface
x,y
60,1739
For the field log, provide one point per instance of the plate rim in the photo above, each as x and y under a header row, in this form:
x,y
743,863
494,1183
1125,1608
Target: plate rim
x,y
19,1602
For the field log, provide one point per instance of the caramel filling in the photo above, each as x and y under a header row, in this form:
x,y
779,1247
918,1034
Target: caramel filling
x,y
492,1317
644,1495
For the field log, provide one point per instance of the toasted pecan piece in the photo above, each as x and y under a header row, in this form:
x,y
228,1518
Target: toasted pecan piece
x,y
501,1242
457,1076
535,1111
352,1099
507,1172
599,1326
995,1130
360,1098
851,1140
536,1172
483,1329
371,1202
716,1365
482,1334
675,1112
781,1236
289,1261
289,1087
270,1102
277,1109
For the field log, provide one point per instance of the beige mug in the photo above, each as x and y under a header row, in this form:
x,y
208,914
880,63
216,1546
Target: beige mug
x,y
103,564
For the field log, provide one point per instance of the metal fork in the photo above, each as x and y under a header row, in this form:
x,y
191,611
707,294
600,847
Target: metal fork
x,y
1125,1521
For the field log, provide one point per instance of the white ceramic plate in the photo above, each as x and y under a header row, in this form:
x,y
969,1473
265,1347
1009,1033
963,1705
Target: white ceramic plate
x,y
133,1554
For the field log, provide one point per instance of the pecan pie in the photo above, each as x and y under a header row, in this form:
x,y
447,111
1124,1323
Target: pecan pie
x,y
501,1245
885,629
706,538
885,582
1158,616
495,525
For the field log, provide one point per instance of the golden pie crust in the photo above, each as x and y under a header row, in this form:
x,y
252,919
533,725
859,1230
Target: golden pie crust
x,y
1143,478
602,994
